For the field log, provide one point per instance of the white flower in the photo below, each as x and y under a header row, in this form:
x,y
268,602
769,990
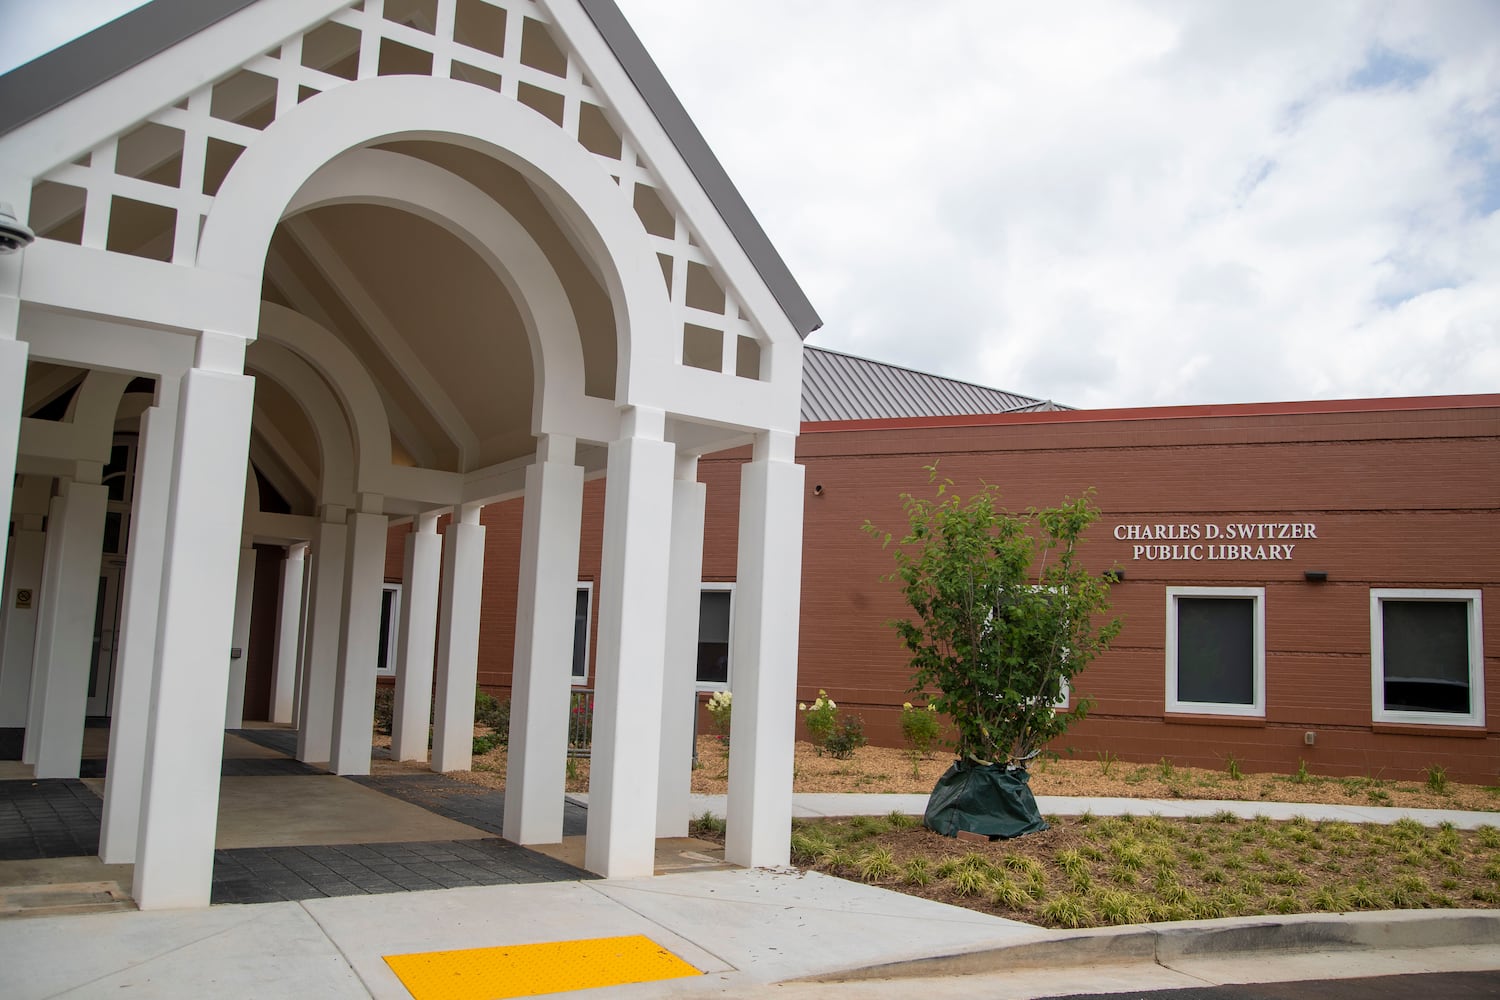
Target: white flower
x,y
801,706
906,706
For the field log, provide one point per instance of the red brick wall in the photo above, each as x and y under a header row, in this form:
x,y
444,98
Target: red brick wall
x,y
395,552
1400,499
1402,496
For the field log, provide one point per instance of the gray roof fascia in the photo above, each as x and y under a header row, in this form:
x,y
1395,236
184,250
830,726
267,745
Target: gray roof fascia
x,y
839,386
52,80
648,79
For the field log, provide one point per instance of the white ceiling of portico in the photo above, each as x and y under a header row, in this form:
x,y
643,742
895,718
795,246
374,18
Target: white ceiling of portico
x,y
451,316
430,322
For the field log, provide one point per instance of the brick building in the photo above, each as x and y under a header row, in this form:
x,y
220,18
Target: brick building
x,y
1343,557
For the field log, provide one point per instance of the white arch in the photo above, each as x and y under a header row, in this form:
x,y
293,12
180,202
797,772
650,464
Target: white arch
x,y
89,432
380,177
237,232
336,483
86,436
357,394
252,489
95,406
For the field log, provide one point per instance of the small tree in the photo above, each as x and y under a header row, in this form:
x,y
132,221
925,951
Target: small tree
x,y
993,637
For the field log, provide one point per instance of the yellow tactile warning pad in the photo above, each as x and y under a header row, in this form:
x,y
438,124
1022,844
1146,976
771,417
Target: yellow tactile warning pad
x,y
528,970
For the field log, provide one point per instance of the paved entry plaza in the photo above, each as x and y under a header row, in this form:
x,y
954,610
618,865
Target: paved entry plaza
x,y
287,831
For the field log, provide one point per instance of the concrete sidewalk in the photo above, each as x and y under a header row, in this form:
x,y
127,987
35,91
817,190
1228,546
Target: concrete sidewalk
x,y
745,930
812,805
755,932
741,928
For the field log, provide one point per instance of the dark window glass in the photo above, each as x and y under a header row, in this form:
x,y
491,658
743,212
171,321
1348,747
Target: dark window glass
x,y
387,623
114,523
98,635
581,637
115,478
1426,656
1216,650
713,636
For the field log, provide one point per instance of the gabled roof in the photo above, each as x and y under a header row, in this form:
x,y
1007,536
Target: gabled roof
x,y
839,386
50,81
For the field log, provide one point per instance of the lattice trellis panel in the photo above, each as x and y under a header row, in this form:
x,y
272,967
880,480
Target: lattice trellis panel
x,y
147,191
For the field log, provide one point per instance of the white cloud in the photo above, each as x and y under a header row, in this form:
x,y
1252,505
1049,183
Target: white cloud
x,y
1111,203
1121,203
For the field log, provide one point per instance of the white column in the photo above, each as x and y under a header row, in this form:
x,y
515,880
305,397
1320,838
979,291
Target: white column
x,y
359,641
65,631
320,655
632,644
458,641
536,766
23,587
46,601
288,633
303,616
140,607
422,574
680,684
763,652
238,655
184,749
12,392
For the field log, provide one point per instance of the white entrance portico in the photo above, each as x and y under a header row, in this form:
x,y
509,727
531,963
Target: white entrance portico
x,y
320,266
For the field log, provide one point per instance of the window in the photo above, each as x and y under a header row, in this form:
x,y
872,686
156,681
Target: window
x,y
1216,650
715,615
390,623
1426,657
581,632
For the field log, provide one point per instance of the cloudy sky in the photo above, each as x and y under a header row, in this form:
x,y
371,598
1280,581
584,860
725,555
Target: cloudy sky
x,y
1122,202
1132,202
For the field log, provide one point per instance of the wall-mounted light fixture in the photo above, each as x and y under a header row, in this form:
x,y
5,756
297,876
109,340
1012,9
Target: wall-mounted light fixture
x,y
14,234
1315,575
1114,575
818,490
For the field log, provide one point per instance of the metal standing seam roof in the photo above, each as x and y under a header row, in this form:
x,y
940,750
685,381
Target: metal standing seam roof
x,y
839,386
51,80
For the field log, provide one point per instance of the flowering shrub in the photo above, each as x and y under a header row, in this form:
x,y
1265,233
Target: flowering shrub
x,y
720,707
828,732
581,721
920,727
822,718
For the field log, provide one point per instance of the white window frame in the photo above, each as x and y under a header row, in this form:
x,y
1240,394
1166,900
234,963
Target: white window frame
x,y
393,634
585,585
1378,711
728,684
1257,707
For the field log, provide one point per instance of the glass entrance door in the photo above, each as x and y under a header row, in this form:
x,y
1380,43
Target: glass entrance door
x,y
106,629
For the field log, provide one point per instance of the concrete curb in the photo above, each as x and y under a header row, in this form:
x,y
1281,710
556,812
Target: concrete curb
x,y
1234,936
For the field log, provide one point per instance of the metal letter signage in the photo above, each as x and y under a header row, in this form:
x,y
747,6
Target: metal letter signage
x,y
1237,541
